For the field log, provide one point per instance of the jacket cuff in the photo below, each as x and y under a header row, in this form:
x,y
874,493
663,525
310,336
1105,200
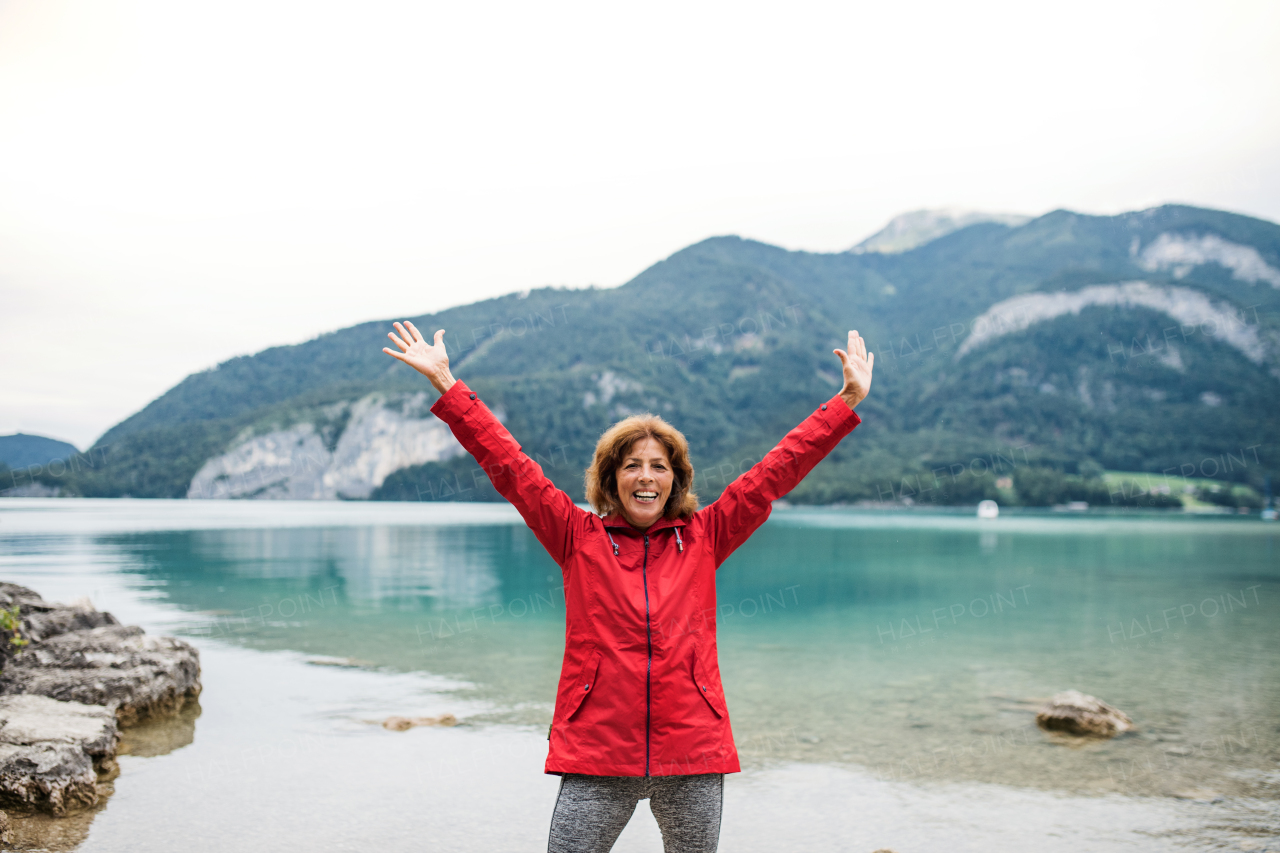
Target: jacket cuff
x,y
837,416
454,403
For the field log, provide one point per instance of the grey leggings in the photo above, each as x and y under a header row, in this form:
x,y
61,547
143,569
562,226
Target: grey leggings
x,y
592,810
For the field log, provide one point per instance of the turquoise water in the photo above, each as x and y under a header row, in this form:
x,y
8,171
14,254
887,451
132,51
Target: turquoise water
x,y
889,664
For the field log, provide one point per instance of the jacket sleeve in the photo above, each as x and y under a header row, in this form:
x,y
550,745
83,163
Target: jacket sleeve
x,y
748,500
550,513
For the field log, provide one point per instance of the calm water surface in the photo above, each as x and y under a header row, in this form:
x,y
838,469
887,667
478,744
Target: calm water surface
x,y
883,672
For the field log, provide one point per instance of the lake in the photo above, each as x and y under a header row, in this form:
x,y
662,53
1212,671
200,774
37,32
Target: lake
x,y
882,670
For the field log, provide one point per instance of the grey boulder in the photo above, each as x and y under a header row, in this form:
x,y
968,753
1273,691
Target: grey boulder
x,y
66,692
1081,714
118,666
53,753
42,619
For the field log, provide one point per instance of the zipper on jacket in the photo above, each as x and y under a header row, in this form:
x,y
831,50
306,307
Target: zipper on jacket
x,y
648,674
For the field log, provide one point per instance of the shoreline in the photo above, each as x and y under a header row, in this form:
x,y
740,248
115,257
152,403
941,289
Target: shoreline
x,y
447,783
37,516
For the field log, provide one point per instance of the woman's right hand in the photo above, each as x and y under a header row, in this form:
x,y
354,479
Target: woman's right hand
x,y
857,364
430,360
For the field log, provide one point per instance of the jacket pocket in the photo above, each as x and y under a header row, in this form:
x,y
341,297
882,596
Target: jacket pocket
x,y
582,685
709,688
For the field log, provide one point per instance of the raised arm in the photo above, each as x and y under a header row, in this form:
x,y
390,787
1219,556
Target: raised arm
x,y
748,500
549,512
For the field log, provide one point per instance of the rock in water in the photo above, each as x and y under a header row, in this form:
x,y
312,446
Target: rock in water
x,y
42,619
64,693
400,724
51,752
1080,714
118,666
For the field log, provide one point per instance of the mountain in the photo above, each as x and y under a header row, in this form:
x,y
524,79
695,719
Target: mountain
x,y
1013,361
909,230
21,450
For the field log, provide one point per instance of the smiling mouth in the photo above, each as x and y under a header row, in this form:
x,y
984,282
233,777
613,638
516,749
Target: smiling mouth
x,y
645,497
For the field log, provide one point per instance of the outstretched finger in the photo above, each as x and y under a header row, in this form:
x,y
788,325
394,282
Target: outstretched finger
x,y
393,353
871,361
398,342
844,357
439,337
417,336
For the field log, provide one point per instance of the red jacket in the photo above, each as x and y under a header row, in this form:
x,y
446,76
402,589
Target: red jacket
x,y
640,691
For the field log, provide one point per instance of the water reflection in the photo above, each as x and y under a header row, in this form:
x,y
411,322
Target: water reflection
x,y
161,736
386,567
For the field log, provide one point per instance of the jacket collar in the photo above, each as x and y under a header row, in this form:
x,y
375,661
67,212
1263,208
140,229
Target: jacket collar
x,y
618,522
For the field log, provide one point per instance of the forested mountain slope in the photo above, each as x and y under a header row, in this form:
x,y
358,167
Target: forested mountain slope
x,y
1141,342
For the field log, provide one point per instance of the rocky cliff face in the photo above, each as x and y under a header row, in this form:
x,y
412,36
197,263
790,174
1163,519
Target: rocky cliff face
x,y
1191,309
1180,254
344,452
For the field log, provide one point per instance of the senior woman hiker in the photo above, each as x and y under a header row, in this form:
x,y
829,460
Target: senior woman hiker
x,y
640,712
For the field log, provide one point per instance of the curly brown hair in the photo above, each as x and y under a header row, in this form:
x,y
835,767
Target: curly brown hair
x,y
602,477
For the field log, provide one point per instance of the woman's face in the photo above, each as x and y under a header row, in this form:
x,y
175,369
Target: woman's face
x,y
644,482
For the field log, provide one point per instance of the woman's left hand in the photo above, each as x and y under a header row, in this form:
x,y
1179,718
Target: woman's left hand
x,y
857,364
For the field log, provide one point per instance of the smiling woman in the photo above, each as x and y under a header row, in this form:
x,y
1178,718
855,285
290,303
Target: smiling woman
x,y
642,470
640,711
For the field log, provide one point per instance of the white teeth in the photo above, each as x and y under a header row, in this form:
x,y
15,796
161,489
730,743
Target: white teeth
x,y
645,496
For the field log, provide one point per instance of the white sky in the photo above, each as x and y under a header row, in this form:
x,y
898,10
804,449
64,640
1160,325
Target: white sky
x,y
183,182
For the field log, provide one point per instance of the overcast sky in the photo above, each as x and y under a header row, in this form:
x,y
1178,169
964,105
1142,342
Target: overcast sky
x,y
183,182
